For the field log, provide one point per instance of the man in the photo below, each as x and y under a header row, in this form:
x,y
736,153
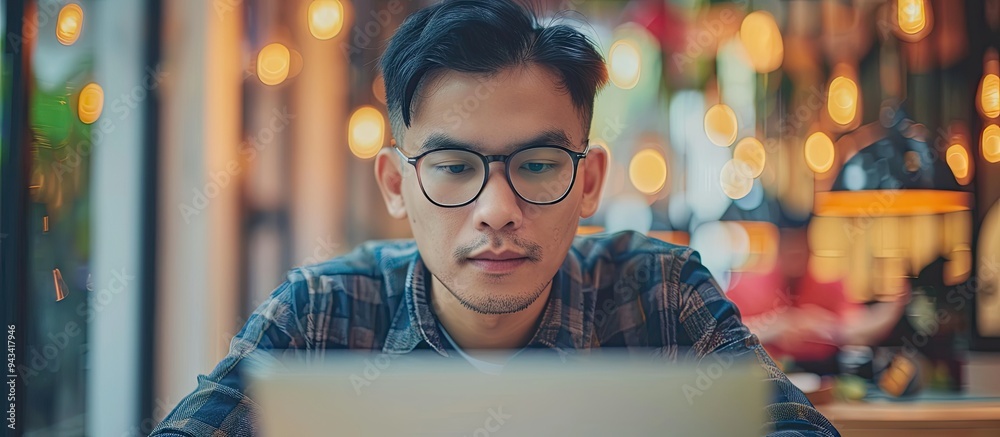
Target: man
x,y
492,169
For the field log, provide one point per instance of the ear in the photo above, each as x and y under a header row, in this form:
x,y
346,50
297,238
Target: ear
x,y
390,182
594,171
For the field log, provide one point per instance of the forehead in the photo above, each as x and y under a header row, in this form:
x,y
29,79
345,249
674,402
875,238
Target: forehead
x,y
494,113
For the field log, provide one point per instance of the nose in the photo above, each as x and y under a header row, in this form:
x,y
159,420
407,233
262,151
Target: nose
x,y
497,206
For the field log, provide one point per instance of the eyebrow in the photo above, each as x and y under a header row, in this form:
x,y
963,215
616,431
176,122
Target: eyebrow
x,y
552,137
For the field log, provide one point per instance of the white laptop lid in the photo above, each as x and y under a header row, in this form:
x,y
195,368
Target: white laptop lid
x,y
417,394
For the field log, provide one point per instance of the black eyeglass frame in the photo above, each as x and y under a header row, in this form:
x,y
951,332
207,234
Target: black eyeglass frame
x,y
487,159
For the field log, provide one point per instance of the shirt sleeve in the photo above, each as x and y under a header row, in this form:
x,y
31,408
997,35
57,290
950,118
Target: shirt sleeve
x,y
713,325
218,406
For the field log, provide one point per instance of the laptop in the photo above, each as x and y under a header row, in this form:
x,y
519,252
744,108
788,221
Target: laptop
x,y
428,395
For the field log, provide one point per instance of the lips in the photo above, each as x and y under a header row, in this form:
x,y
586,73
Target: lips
x,y
498,256
498,262
498,266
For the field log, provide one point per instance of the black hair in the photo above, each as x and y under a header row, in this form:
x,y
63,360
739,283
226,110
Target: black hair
x,y
486,36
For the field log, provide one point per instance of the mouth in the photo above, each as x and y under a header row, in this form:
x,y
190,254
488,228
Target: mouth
x,y
498,262
498,266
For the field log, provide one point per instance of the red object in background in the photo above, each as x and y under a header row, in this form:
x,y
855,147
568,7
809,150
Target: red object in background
x,y
756,294
657,17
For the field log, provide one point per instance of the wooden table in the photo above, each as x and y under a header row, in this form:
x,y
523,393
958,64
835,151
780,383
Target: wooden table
x,y
952,418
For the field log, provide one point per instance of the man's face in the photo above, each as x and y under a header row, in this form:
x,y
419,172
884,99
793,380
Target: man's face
x,y
499,253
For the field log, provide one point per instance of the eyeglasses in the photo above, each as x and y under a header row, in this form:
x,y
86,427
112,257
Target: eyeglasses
x,y
455,177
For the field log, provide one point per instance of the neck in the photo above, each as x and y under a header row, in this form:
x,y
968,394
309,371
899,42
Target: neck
x,y
472,330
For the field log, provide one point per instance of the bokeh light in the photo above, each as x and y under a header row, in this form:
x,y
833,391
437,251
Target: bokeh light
x,y
629,213
723,246
326,18
721,125
91,103
819,152
273,64
958,159
991,143
366,132
763,42
736,179
911,15
855,177
842,100
69,24
989,96
648,171
625,63
750,151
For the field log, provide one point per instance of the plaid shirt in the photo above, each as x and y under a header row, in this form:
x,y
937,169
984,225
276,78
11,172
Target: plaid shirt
x,y
622,290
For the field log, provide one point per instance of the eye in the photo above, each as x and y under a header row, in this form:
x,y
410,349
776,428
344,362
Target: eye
x,y
537,167
453,169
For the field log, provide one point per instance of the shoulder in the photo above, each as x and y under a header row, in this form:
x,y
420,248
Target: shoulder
x,y
630,266
625,249
346,301
373,273
372,259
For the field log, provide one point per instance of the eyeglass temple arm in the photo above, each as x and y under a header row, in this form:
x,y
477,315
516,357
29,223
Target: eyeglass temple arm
x,y
411,161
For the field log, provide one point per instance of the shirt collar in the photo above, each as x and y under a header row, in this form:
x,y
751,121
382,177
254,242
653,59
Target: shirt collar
x,y
567,323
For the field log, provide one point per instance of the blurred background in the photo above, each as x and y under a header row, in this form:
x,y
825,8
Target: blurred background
x,y
835,162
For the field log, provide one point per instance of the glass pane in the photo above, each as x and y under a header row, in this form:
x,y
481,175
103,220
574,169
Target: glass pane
x,y
451,177
541,174
61,110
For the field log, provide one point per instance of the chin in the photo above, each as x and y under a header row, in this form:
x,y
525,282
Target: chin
x,y
488,294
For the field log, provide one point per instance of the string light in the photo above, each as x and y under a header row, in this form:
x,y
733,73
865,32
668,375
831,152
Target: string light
x,y
763,42
326,18
842,100
958,159
989,96
366,132
721,125
819,152
750,151
648,171
736,179
273,63
91,103
69,24
991,143
912,16
625,63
